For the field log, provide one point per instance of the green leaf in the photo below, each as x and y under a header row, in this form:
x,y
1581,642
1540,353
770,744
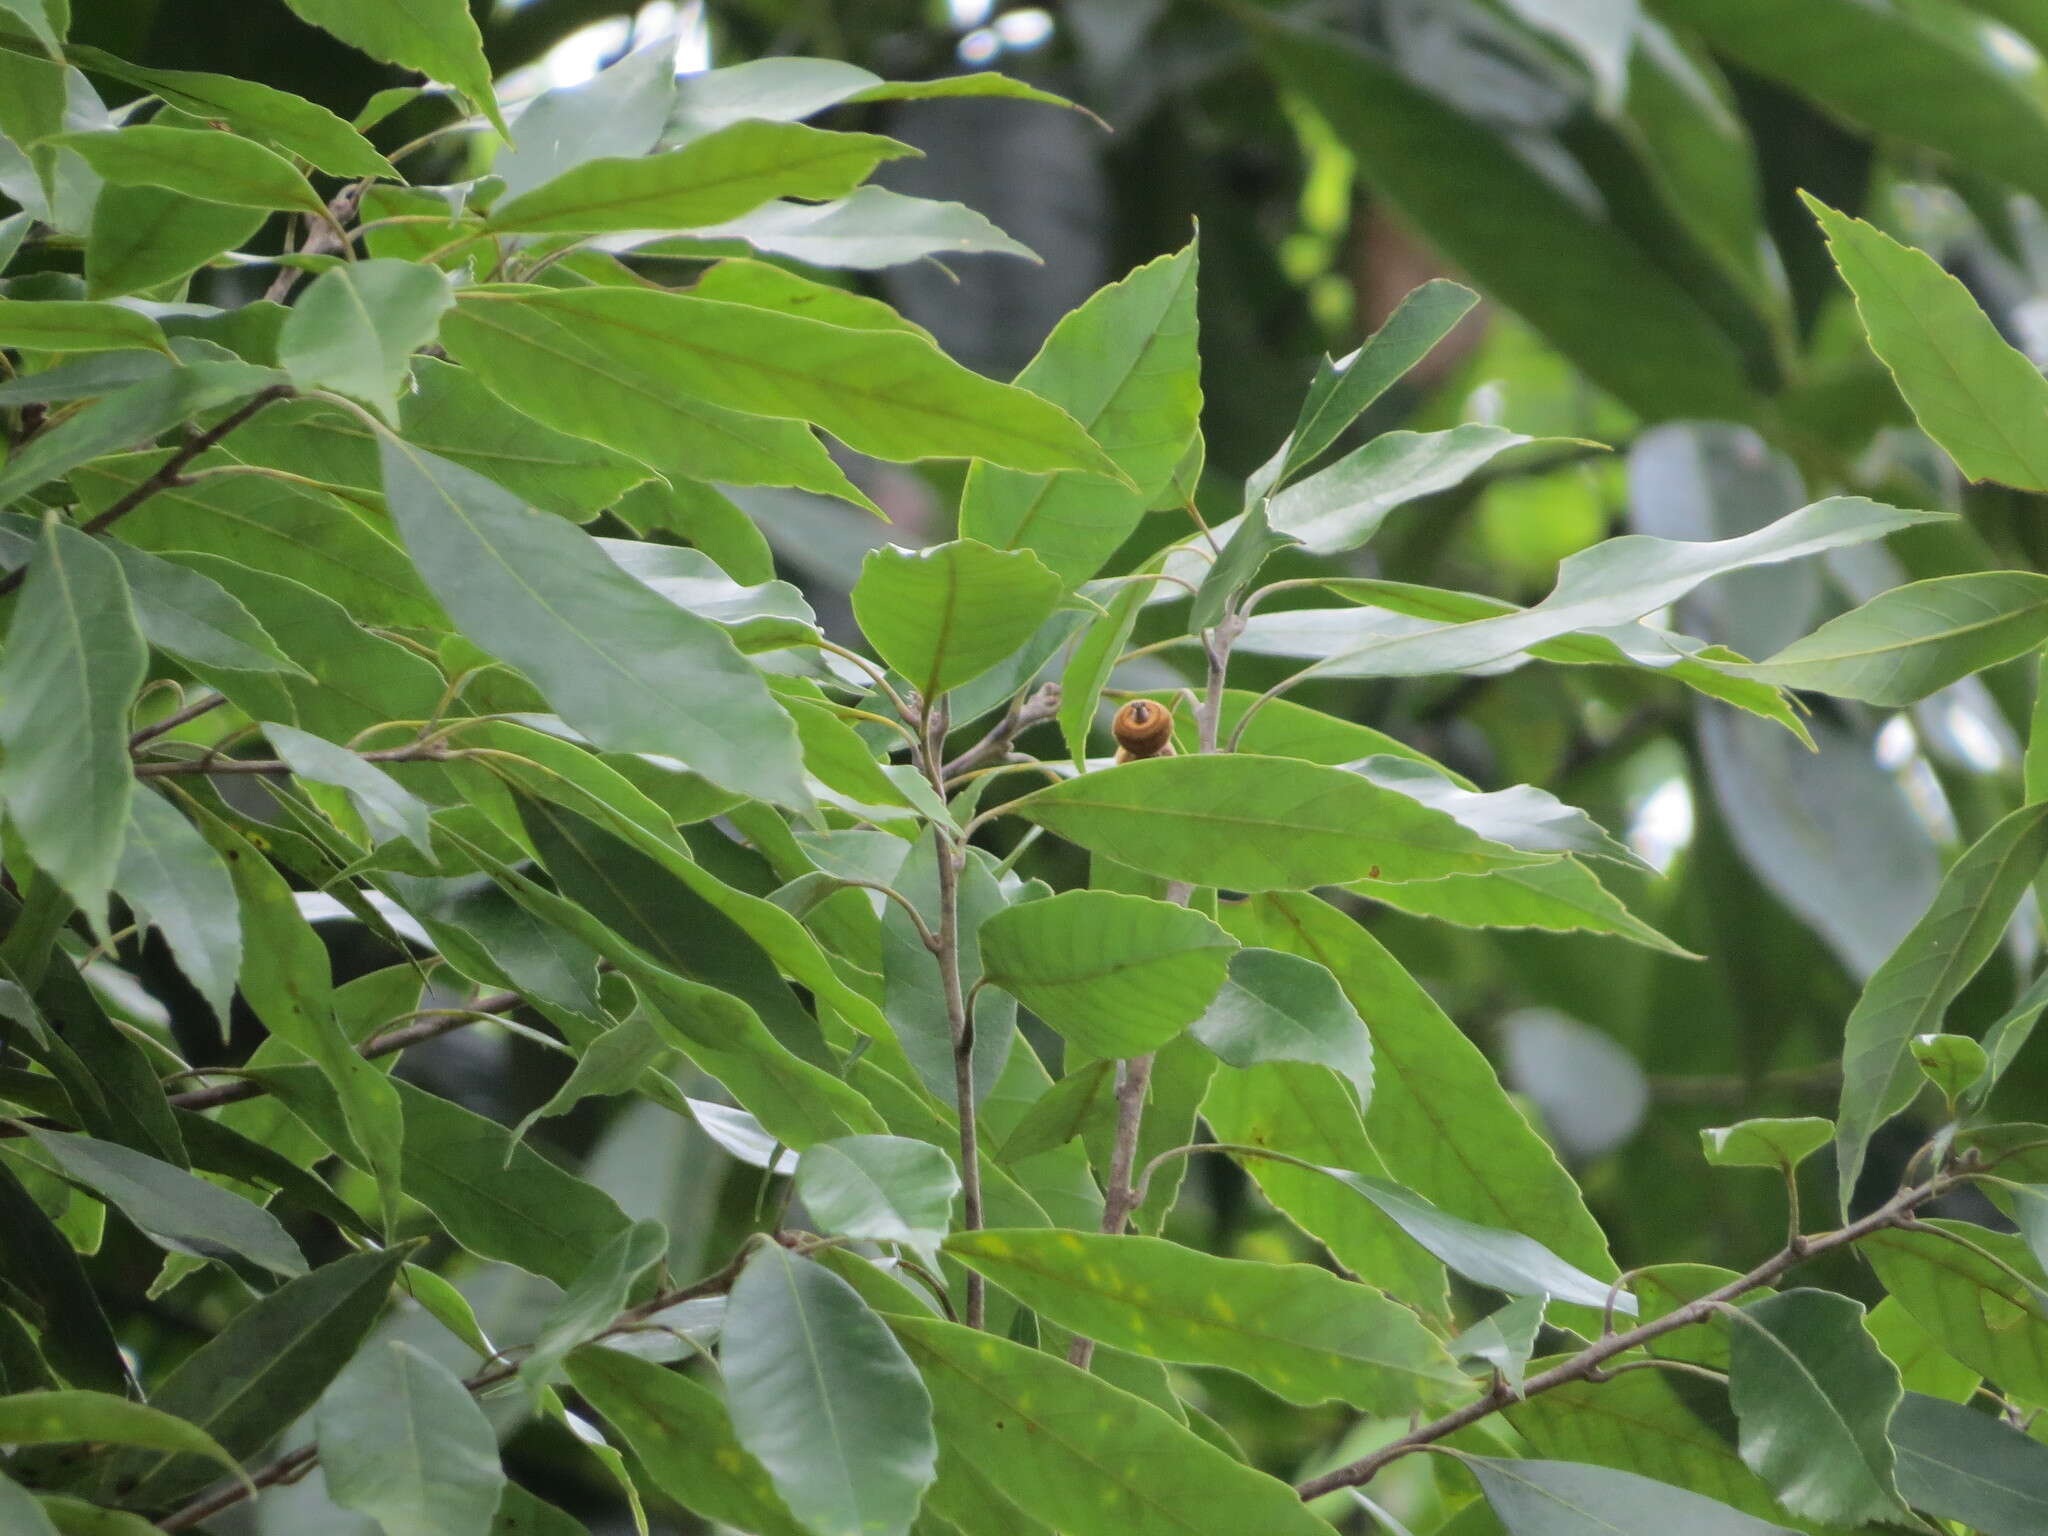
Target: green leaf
x,y
1038,1430
1602,299
1502,1342
194,617
1562,1498
885,393
869,229
75,1517
879,1189
1344,387
1094,658
593,1303
68,1417
402,1441
1115,975
944,615
1252,543
1563,896
679,1431
617,111
1298,1331
1081,1102
1124,364
259,1373
1970,391
72,663
388,809
174,1209
213,167
1521,816
141,237
289,121
1912,990
1439,1115
1924,1366
1979,1312
767,617
1259,824
40,1266
826,1399
354,329
69,325
628,669
1766,1143
1907,642
1617,582
1342,507
615,388
1953,1063
707,181
1812,1395
1970,1467
913,993
22,1511
435,37
1281,1007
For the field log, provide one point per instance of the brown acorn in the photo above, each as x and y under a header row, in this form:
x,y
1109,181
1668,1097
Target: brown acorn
x,y
1143,729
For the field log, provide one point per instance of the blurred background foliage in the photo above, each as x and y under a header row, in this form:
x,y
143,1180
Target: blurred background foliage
x,y
1620,180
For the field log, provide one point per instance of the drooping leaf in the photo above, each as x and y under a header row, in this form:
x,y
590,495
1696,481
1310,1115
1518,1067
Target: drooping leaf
x,y
1812,1394
40,1266
1035,1426
707,181
213,167
1298,1331
879,1189
943,616
1124,365
631,671
1253,823
825,1398
354,329
1564,896
1961,1465
870,228
70,1417
886,393
1116,975
74,658
1280,1007
194,617
1912,990
386,806
402,1441
173,1208
436,37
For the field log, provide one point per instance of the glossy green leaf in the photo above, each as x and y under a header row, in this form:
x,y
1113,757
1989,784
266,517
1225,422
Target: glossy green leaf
x,y
879,1189
435,37
1953,1063
1910,641
885,393
679,1431
870,228
594,1301
69,325
290,122
628,669
1924,1366
1344,387
1439,1115
402,1441
175,1209
1298,1331
265,1368
213,167
1766,1143
943,616
1563,896
72,663
914,994
1259,824
69,1417
1962,1465
782,89
1812,1394
1094,658
1281,1007
1251,544
1343,506
1979,1312
1124,365
1521,816
825,1398
1970,390
75,1517
1562,1498
1082,1101
707,181
141,237
354,329
1912,990
1502,1342
195,618
767,617
1038,1429
618,110
1599,297
387,807
1115,975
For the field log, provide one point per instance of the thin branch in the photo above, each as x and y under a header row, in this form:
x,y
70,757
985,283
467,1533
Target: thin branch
x,y
170,723
1586,1364
412,752
1041,706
